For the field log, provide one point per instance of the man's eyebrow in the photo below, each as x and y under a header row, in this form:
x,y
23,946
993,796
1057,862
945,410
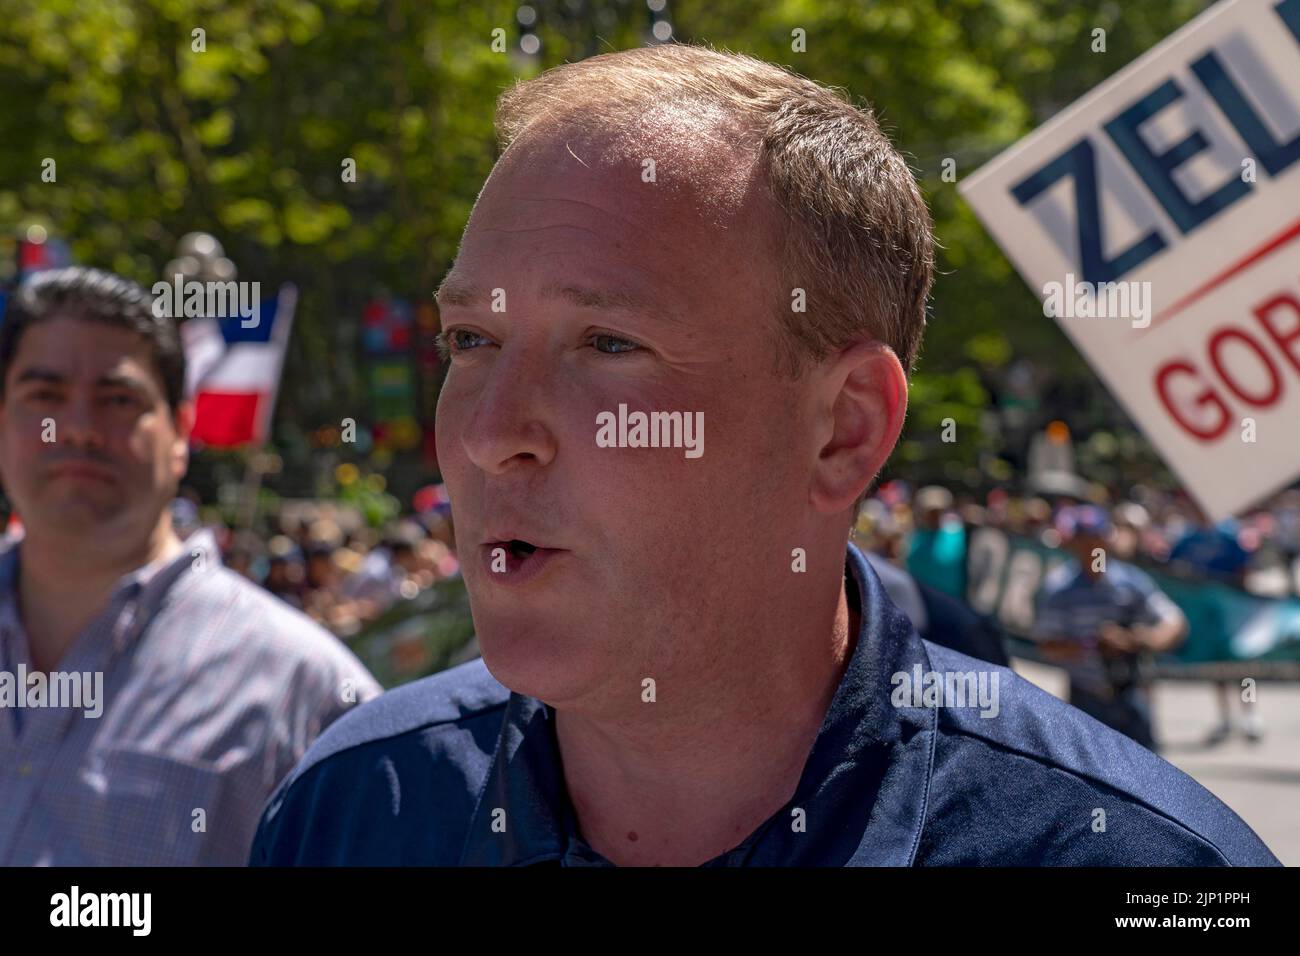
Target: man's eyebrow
x,y
589,297
51,376
39,374
453,292
120,380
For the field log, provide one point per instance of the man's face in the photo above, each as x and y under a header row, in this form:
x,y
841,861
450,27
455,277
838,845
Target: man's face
x,y
931,519
88,444
1086,545
617,291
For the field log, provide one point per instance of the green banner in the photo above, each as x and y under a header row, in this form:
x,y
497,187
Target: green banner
x,y
1004,574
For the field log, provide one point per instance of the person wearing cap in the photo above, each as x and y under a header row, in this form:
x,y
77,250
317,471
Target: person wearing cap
x,y
1098,618
936,549
191,691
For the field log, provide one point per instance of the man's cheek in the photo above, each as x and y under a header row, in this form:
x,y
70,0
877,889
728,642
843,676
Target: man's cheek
x,y
645,492
452,459
142,456
138,448
29,443
448,426
37,432
445,437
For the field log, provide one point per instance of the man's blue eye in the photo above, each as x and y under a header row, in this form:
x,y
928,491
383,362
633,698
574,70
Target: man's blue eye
x,y
464,338
616,346
456,340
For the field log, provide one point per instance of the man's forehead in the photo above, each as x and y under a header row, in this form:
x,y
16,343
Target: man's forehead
x,y
647,222
586,292
670,161
83,348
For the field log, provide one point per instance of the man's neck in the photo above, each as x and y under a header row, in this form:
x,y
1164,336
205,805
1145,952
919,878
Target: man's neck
x,y
681,795
64,583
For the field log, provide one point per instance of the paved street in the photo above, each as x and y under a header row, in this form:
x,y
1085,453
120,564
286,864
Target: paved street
x,y
1261,782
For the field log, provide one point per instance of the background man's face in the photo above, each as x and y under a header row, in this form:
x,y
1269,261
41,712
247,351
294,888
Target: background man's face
x,y
648,539
1085,545
116,456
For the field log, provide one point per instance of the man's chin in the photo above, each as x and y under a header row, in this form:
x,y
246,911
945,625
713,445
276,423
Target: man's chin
x,y
530,661
73,513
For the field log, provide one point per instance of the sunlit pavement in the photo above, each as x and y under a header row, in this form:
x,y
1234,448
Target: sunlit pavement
x,y
1260,781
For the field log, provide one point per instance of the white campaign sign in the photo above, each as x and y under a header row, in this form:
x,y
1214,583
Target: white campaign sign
x,y
1159,219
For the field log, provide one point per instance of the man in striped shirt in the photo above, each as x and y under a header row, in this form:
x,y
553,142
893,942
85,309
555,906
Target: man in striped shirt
x,y
196,691
1097,618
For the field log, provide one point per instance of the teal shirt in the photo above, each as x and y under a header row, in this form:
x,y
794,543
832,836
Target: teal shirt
x,y
938,558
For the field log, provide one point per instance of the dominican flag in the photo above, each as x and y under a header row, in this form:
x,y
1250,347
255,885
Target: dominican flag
x,y
233,373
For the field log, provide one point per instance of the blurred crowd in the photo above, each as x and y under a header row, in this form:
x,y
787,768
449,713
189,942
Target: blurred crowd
x,y
323,558
1258,551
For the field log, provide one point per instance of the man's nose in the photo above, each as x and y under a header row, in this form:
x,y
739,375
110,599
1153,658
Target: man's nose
x,y
508,425
78,423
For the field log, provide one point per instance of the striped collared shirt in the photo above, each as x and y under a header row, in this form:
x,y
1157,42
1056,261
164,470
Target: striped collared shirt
x,y
1073,607
209,691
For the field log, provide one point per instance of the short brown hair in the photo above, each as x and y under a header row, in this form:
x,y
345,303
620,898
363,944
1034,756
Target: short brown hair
x,y
92,295
857,235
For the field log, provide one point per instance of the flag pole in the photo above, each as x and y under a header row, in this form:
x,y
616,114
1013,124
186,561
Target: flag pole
x,y
256,469
253,473
285,306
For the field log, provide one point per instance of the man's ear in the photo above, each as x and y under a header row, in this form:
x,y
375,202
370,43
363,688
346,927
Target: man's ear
x,y
863,403
183,422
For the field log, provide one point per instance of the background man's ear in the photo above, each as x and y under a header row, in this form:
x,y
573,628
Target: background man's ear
x,y
183,421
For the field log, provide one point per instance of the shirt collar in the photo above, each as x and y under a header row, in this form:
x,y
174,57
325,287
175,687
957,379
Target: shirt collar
x,y
143,589
198,553
862,792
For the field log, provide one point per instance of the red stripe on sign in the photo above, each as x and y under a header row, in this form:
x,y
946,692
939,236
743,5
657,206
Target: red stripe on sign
x,y
226,419
1270,246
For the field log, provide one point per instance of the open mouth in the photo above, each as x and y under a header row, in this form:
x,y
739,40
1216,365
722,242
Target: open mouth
x,y
520,548
516,560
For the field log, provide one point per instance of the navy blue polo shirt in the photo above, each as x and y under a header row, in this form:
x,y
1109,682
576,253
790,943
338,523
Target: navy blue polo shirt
x,y
913,765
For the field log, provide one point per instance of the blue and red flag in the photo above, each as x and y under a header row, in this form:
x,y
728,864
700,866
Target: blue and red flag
x,y
233,371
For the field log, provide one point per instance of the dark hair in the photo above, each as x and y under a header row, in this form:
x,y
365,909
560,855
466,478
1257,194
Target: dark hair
x,y
92,295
